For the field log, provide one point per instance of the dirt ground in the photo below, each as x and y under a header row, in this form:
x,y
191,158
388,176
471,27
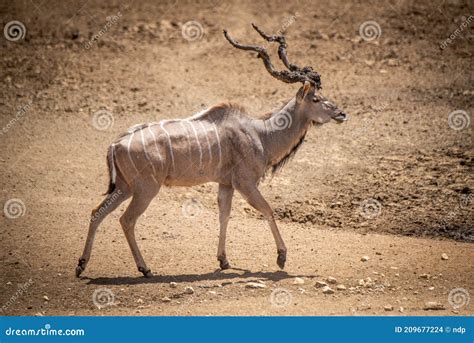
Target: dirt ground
x,y
394,183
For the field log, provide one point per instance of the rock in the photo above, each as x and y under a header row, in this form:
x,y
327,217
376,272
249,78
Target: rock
x,y
320,284
388,308
212,292
341,287
9,283
425,276
173,284
166,300
392,62
140,301
328,290
433,306
189,290
431,288
332,280
45,297
444,256
255,285
365,258
298,281
401,309
361,282
38,314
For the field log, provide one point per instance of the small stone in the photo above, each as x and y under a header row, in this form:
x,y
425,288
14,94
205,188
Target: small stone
x,y
320,284
173,284
444,256
328,290
425,276
212,292
298,281
189,290
365,258
433,306
332,280
401,309
431,288
255,285
361,282
388,308
45,297
38,314
140,301
9,283
341,287
166,300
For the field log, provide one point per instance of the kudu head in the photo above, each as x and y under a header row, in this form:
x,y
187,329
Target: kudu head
x,y
308,101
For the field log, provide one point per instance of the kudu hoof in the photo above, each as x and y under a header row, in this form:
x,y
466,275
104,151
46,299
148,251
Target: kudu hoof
x,y
224,264
281,259
146,272
79,271
80,267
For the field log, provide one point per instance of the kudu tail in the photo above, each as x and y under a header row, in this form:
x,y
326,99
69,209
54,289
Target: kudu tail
x,y
112,169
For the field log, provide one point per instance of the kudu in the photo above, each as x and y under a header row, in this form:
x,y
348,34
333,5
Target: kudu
x,y
221,144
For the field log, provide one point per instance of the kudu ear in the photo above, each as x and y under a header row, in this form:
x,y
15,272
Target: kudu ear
x,y
307,88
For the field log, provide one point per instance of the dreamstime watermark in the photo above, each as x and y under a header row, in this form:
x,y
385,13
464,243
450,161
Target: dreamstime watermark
x,y
370,30
103,297
458,297
45,331
14,208
110,21
102,120
110,200
19,115
14,31
192,31
281,121
281,297
19,292
458,120
370,208
192,208
456,33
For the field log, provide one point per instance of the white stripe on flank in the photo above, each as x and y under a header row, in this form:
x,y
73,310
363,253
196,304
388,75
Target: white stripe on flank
x,y
198,142
169,142
156,144
207,139
128,150
112,162
181,122
218,141
197,115
146,152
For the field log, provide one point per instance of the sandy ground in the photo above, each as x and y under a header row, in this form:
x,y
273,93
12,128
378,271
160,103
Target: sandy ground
x,y
397,153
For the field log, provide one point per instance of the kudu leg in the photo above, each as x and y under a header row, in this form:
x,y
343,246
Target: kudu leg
x,y
107,206
135,209
256,200
224,200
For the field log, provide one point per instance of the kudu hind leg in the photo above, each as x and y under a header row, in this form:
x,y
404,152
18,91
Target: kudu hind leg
x,y
224,200
107,206
256,200
138,205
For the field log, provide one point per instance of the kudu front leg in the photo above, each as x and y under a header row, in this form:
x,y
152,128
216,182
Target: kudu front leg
x,y
224,200
256,200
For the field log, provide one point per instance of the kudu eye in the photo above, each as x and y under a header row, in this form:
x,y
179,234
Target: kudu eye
x,y
316,99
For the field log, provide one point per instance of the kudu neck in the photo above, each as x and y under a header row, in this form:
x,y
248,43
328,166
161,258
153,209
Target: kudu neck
x,y
284,130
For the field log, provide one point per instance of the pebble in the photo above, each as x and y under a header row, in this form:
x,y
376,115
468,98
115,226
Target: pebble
x,y
298,281
388,308
332,280
45,297
444,256
140,301
328,290
255,285
320,284
424,276
361,282
38,314
166,300
431,288
365,258
433,305
401,309
341,287
189,290
212,292
173,284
